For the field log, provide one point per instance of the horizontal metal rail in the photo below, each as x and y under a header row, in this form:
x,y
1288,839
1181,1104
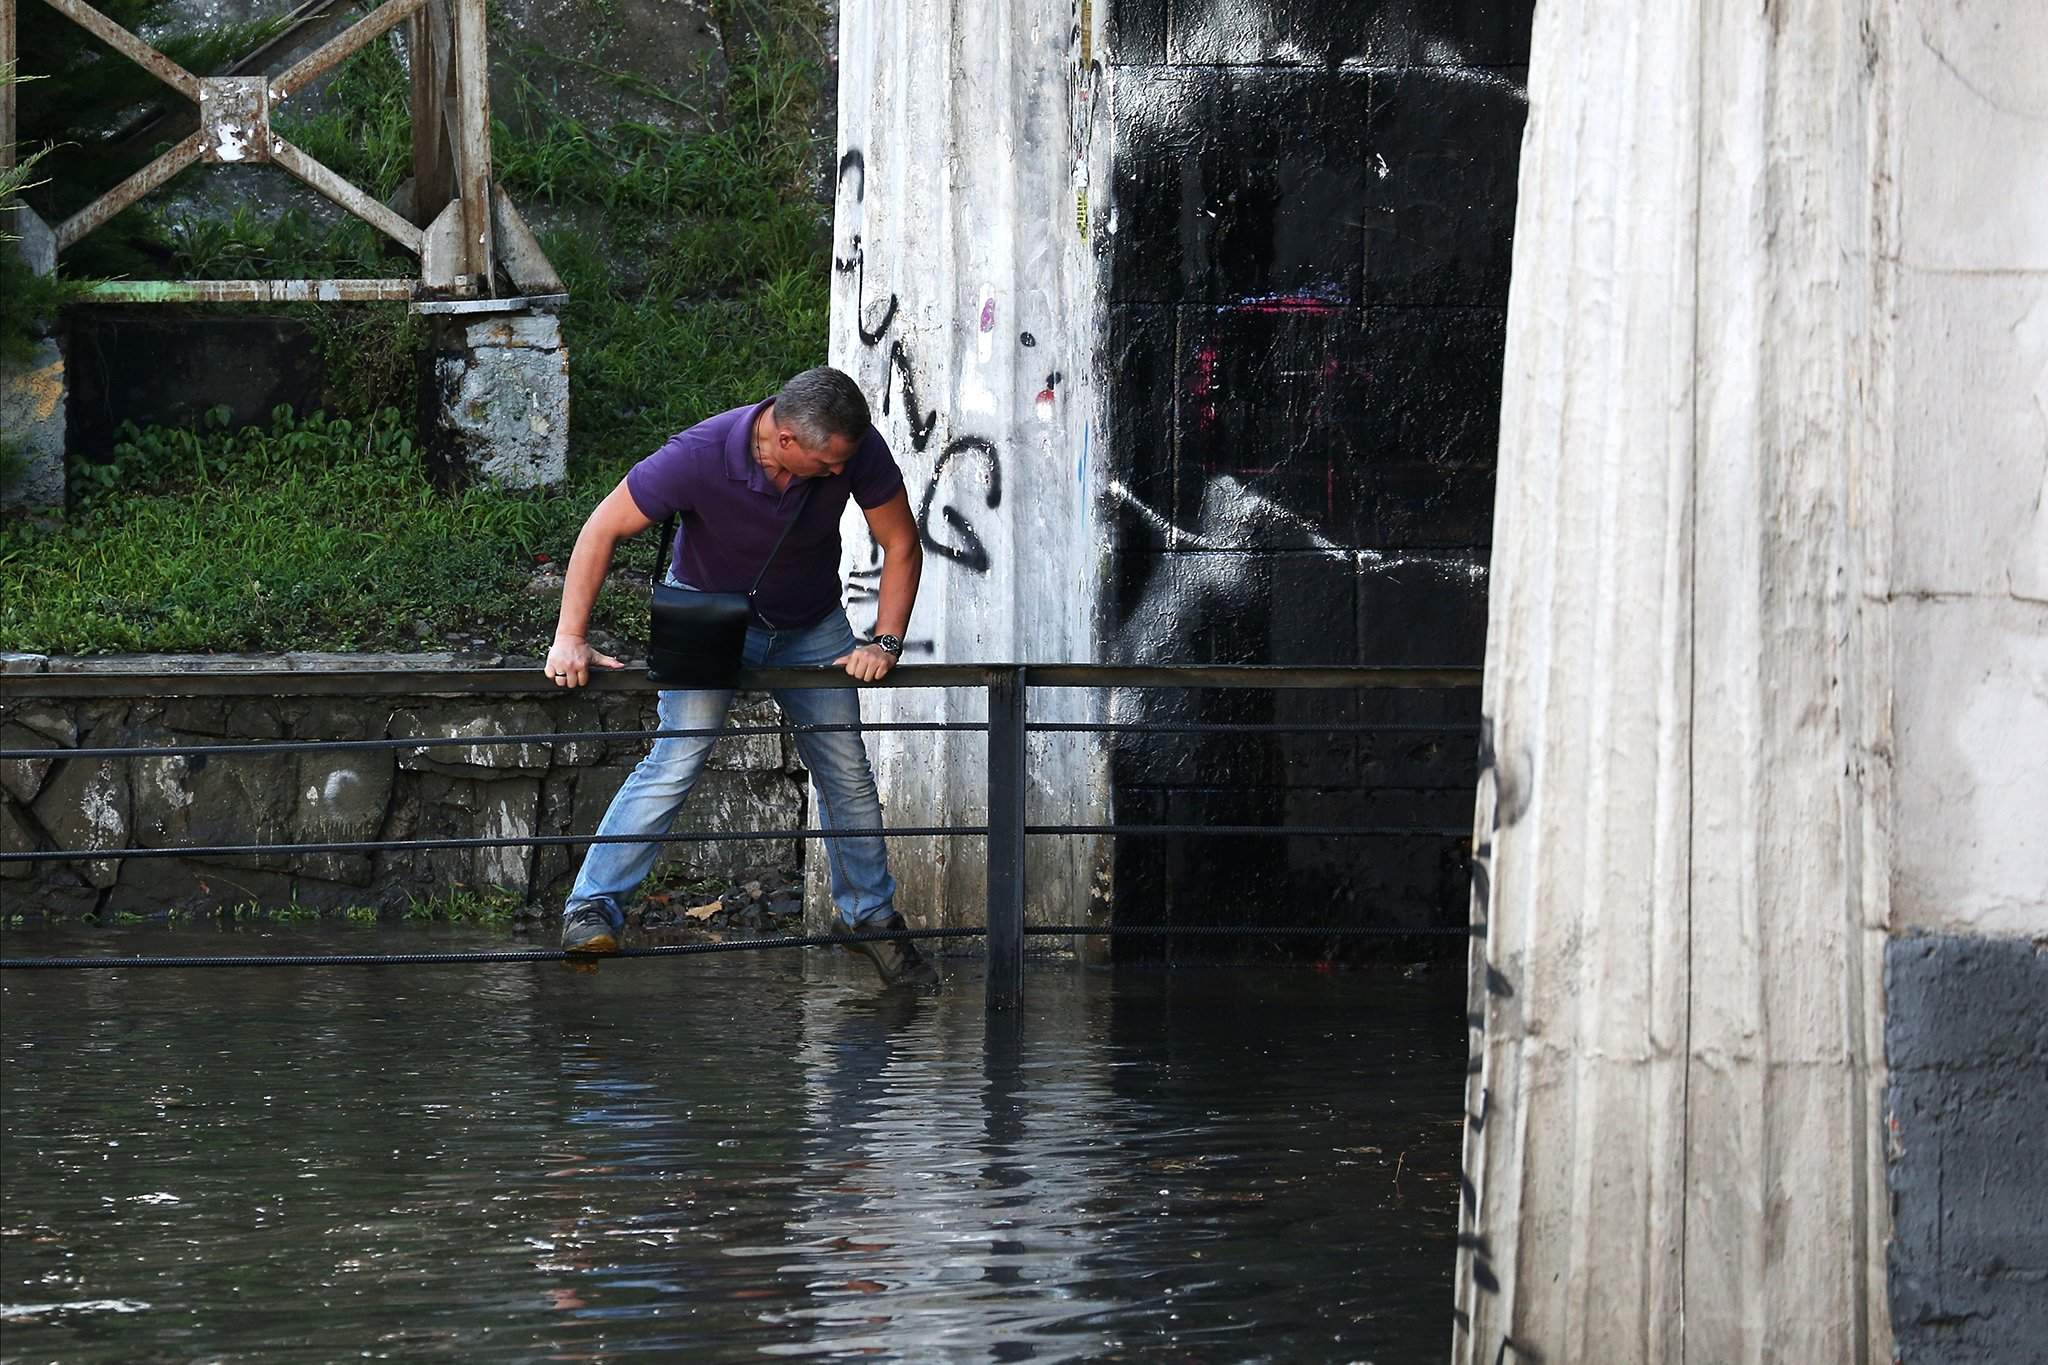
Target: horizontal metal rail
x,y
385,290
1297,831
1358,727
1008,727
91,855
734,945
420,682
293,746
87,855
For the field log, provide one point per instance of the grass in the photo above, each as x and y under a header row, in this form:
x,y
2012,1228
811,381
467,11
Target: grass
x,y
699,279
321,533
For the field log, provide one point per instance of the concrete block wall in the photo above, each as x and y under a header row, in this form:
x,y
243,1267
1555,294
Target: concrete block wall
x,y
1306,303
512,789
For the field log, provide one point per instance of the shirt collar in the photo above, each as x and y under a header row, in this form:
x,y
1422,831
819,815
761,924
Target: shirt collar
x,y
740,463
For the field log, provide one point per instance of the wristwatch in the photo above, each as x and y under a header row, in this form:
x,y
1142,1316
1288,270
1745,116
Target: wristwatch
x,y
892,643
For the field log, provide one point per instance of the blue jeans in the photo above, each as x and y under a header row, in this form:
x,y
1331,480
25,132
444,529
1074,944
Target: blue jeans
x,y
862,888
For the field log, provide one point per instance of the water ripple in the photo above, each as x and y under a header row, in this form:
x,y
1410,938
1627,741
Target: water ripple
x,y
723,1159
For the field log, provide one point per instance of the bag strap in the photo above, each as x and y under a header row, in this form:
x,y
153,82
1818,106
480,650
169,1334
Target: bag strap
x,y
668,538
803,501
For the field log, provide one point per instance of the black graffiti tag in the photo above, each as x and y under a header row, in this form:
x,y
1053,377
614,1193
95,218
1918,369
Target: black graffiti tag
x,y
856,265
899,370
920,424
969,553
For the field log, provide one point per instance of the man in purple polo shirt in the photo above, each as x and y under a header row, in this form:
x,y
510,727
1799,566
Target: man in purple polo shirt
x,y
735,481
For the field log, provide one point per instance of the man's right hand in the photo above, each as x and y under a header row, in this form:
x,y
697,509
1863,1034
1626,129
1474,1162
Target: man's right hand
x,y
569,662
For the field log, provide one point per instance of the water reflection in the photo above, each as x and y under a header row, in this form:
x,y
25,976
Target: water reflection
x,y
720,1159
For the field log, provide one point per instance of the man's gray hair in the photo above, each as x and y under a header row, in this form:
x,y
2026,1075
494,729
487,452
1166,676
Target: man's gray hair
x,y
822,403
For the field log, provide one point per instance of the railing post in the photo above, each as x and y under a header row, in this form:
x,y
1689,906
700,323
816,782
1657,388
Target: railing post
x,y
1006,789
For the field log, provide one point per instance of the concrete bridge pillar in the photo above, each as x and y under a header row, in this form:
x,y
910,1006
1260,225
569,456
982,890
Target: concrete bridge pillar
x,y
1771,468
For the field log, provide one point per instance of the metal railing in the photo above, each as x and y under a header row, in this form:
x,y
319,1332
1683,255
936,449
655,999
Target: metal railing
x,y
1008,728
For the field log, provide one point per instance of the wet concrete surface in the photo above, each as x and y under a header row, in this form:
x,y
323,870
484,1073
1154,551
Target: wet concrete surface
x,y
717,1158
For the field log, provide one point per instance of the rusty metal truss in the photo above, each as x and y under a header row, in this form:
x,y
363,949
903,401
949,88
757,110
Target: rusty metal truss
x,y
461,227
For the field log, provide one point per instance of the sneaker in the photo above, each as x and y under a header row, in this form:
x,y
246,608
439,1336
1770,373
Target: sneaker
x,y
589,931
896,960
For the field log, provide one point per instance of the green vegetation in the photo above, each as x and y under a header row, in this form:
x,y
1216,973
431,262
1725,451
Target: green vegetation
x,y
489,909
698,270
315,533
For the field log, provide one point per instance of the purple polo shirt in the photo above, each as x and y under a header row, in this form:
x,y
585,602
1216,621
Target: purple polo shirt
x,y
732,514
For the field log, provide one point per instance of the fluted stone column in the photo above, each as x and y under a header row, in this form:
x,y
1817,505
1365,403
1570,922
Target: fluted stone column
x,y
1673,1140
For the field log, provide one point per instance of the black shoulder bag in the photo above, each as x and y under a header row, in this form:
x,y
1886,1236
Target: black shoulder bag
x,y
695,639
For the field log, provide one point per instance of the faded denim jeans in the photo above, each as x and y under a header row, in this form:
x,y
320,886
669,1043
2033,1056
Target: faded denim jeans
x,y
844,784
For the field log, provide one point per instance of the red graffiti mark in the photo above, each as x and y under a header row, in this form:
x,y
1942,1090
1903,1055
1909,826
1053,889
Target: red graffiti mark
x,y
1285,303
988,315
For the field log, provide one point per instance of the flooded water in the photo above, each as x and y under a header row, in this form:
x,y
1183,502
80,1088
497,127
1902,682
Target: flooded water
x,y
717,1158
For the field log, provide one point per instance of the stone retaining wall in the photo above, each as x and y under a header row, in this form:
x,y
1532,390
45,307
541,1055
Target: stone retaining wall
x,y
400,792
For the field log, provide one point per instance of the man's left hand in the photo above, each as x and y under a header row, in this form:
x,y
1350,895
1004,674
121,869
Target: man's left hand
x,y
867,663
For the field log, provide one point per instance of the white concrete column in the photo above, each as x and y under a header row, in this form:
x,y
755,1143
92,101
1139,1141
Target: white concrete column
x,y
965,252
1672,1148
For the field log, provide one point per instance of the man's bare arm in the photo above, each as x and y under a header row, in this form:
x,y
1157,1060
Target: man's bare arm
x,y
895,530
615,519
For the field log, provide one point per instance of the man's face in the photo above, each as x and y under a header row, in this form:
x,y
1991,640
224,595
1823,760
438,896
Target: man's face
x,y
808,462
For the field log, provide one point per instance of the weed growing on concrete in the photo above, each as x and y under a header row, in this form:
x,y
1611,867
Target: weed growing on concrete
x,y
489,908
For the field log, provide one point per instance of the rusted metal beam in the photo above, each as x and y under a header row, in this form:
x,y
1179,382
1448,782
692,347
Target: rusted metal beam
x,y
317,175
304,24
433,172
250,291
234,119
155,174
344,45
6,86
473,140
129,46
519,250
441,256
503,303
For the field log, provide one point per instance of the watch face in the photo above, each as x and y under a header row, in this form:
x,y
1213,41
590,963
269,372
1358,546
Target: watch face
x,y
891,643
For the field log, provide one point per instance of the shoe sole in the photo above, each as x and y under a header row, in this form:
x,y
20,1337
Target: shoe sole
x,y
595,946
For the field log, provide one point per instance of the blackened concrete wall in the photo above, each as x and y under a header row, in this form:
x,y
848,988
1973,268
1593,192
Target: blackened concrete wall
x,y
1306,303
1967,1040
